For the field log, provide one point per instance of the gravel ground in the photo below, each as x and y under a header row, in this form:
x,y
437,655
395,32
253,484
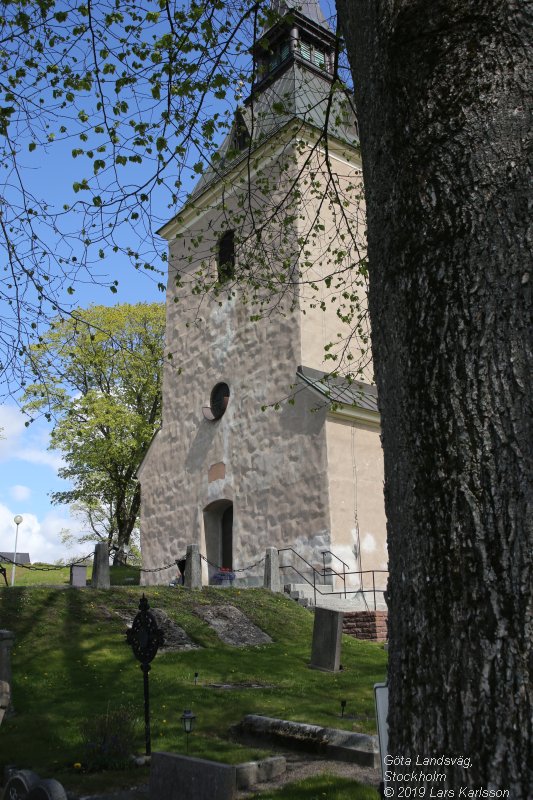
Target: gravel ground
x,y
299,766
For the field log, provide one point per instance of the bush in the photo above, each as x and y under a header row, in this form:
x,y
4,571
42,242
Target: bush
x,y
109,740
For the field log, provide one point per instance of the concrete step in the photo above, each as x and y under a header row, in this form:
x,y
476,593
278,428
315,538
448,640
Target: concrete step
x,y
303,593
306,588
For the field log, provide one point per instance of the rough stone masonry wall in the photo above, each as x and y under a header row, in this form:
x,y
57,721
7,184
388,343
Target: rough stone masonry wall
x,y
370,625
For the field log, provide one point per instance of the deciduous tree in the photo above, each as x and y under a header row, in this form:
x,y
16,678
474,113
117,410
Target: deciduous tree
x,y
99,381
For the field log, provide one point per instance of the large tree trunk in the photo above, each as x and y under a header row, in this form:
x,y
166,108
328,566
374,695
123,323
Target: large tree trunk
x,y
443,93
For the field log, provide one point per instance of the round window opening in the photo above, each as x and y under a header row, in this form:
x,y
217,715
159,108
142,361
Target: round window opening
x,y
219,400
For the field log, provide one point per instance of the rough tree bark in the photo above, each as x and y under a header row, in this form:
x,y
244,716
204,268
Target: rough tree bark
x,y
443,91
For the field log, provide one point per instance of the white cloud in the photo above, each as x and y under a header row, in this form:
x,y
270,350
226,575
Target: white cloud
x,y
12,425
40,538
19,492
26,443
50,458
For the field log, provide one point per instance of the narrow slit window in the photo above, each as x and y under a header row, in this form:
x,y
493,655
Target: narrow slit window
x,y
226,257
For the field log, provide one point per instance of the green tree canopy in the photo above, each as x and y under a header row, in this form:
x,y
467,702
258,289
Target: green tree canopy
x,y
98,378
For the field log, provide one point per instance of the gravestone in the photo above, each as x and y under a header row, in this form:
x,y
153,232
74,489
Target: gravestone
x,y
26,785
272,580
176,777
78,575
193,567
6,643
20,784
327,636
100,578
47,789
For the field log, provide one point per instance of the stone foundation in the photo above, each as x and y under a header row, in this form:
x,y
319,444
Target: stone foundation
x,y
369,625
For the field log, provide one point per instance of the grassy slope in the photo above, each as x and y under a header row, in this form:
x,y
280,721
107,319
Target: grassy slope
x,y
70,661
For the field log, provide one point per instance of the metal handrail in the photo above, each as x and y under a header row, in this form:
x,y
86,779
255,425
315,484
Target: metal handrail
x,y
290,566
331,570
345,591
362,590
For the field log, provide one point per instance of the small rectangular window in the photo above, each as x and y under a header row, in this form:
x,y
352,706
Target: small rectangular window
x,y
226,257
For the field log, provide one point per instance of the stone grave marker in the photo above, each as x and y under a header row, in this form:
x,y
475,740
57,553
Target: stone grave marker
x,y
47,789
176,777
327,636
6,643
232,626
78,575
20,784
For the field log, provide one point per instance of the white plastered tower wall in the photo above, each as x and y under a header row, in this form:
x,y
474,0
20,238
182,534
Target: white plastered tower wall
x,y
289,473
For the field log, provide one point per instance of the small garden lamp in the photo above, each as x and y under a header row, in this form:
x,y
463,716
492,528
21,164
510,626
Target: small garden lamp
x,y
195,678
343,707
17,520
188,719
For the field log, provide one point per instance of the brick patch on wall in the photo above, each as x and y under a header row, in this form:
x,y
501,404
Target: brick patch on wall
x,y
370,625
216,472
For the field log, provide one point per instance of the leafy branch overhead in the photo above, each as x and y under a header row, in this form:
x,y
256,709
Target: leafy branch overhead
x,y
137,98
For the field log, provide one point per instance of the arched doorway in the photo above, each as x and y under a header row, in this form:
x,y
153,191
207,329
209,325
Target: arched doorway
x,y
226,525
218,528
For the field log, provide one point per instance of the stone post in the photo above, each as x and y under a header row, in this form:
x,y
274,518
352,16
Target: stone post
x,y
6,643
272,580
100,579
193,567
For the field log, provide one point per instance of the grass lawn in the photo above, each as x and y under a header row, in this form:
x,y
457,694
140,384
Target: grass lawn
x,y
329,787
70,662
60,576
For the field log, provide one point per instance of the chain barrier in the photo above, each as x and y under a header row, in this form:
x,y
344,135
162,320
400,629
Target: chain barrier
x,y
241,569
80,562
33,568
158,569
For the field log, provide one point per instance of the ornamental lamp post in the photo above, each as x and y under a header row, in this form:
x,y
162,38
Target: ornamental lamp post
x,y
17,520
187,719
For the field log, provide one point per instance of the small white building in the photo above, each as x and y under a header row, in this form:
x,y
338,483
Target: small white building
x,y
256,449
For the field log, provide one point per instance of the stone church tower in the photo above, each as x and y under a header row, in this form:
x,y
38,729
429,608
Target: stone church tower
x,y
255,449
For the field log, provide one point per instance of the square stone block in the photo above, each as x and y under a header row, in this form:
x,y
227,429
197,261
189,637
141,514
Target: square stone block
x,y
178,777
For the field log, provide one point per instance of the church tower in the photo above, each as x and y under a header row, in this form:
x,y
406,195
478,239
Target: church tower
x,y
256,449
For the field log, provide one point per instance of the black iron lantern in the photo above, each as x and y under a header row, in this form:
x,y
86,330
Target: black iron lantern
x,y
343,707
187,719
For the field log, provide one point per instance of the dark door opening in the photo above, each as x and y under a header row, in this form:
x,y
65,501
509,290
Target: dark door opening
x,y
227,537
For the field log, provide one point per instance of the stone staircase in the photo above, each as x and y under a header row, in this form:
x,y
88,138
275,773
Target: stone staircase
x,y
303,594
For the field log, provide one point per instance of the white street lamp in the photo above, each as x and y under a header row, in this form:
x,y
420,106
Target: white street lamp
x,y
17,520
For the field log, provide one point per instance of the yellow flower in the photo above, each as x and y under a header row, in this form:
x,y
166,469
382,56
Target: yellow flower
x,y
77,765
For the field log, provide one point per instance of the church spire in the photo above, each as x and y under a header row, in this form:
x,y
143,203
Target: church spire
x,y
299,34
307,8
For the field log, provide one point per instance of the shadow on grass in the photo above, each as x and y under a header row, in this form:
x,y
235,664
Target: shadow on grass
x,y
322,787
